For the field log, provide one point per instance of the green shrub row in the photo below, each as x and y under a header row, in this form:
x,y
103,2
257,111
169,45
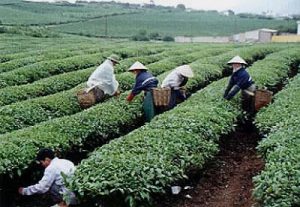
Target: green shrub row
x,y
33,111
60,82
31,73
155,156
47,86
48,55
33,48
106,120
278,184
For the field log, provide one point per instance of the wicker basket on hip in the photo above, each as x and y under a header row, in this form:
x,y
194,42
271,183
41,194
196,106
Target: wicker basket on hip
x,y
86,99
161,96
262,98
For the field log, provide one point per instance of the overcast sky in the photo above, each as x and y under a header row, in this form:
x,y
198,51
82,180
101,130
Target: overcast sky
x,y
255,6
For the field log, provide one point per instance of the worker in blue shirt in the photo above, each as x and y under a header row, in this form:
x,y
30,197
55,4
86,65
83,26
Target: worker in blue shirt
x,y
241,80
144,81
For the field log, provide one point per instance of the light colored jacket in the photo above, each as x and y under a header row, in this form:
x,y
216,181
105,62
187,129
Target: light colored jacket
x,y
173,80
104,78
52,176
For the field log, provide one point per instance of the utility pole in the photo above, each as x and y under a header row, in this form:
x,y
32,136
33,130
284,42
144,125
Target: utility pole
x,y
105,25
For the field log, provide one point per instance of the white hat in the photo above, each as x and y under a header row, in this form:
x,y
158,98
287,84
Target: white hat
x,y
185,70
137,66
237,59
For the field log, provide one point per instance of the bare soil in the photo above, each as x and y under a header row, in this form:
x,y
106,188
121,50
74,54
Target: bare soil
x,y
227,180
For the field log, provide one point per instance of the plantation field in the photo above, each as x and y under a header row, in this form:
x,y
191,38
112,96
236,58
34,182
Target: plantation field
x,y
173,23
112,19
131,161
20,12
49,50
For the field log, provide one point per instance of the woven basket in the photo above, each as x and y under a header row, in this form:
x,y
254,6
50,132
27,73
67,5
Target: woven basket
x,y
161,96
85,99
262,98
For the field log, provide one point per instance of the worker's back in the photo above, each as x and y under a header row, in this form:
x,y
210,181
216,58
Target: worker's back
x,y
59,166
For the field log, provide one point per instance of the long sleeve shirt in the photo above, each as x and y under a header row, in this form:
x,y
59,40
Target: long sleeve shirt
x,y
240,79
104,78
144,81
174,80
52,176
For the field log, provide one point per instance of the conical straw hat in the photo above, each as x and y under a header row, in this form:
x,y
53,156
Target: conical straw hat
x,y
237,59
114,57
185,70
137,66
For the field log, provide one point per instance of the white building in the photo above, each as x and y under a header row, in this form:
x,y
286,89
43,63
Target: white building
x,y
298,33
260,35
219,39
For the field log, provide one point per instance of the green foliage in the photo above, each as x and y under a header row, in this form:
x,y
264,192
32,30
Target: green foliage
x,y
278,184
40,32
27,113
181,7
62,133
141,36
179,23
54,83
155,156
168,39
33,13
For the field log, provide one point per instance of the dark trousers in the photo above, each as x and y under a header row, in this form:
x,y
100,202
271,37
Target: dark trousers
x,y
99,94
57,197
148,106
176,97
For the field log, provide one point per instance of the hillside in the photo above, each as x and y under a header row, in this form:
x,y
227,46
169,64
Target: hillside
x,y
125,20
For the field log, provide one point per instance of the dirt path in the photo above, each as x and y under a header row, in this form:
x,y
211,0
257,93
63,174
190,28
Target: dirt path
x,y
226,181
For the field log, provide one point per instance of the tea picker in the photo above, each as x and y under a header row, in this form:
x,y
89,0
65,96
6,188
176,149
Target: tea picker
x,y
101,82
53,179
144,81
175,81
252,99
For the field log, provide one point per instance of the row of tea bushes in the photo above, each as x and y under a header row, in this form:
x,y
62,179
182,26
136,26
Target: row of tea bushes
x,y
61,134
278,184
30,112
34,72
48,55
105,121
155,156
46,86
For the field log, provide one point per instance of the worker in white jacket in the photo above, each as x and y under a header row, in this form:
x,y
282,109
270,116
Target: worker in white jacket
x,y
175,80
52,181
103,80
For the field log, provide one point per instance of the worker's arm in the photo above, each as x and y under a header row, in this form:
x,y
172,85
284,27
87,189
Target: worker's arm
x,y
235,89
130,97
117,93
42,186
184,81
229,87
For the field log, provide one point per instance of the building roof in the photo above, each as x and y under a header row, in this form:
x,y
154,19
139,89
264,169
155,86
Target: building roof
x,y
268,30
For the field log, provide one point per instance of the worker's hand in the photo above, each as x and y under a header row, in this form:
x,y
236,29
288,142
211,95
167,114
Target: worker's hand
x,y
117,93
227,98
130,97
20,190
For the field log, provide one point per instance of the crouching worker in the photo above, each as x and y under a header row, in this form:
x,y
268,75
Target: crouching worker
x,y
144,81
175,80
241,80
52,180
103,80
